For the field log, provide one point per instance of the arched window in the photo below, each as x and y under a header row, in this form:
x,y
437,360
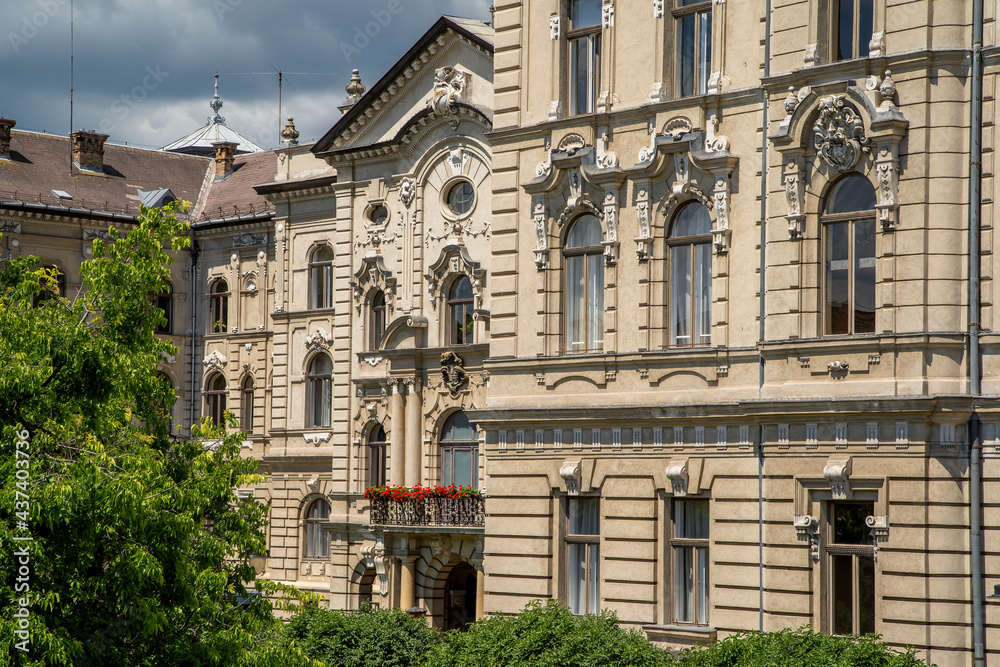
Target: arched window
x,y
584,286
849,230
376,456
320,387
690,244
461,327
165,302
219,306
215,398
47,294
377,325
459,451
317,539
246,404
321,277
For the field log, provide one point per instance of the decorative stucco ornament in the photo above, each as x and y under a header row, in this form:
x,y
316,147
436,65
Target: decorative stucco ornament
x,y
449,86
453,372
407,190
839,133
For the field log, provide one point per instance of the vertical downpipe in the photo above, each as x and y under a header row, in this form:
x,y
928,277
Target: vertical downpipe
x,y
975,362
195,385
762,312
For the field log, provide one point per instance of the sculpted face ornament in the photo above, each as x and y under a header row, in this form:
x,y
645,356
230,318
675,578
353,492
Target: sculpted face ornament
x,y
839,133
453,372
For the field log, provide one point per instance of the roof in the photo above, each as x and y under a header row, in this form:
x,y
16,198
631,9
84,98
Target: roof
x,y
234,195
200,141
39,165
477,31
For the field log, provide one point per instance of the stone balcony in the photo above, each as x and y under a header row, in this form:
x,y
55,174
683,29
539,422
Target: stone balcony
x,y
469,512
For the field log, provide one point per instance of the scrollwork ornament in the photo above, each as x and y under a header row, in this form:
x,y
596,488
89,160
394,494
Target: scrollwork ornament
x,y
839,133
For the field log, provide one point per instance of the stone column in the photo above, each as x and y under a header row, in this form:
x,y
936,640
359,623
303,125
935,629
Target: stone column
x,y
408,582
397,432
414,407
480,589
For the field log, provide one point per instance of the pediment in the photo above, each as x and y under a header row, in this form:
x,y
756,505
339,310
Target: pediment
x,y
448,59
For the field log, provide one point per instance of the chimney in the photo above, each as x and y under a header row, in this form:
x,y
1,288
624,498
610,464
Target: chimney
x,y
88,150
5,127
225,152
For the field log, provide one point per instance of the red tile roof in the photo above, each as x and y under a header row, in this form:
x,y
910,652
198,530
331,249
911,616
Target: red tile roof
x,y
234,195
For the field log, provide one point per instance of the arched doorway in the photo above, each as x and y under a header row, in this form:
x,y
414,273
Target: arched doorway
x,y
460,597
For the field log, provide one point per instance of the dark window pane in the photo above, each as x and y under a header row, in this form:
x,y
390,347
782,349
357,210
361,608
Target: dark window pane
x,y
866,595
458,427
691,519
843,594
685,55
584,516
586,232
692,220
838,278
854,193
866,21
845,30
584,13
864,276
849,523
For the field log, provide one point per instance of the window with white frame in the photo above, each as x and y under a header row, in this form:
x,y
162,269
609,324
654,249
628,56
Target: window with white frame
x,y
851,559
584,286
694,46
690,244
583,554
317,544
849,230
584,36
689,545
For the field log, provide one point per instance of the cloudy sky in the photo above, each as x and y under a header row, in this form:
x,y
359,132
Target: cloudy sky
x,y
144,68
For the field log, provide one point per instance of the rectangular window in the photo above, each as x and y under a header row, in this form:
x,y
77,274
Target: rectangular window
x,y
584,38
852,569
583,551
851,23
694,46
689,545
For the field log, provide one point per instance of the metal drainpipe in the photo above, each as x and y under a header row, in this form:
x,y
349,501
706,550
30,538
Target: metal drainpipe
x,y
975,370
195,385
762,312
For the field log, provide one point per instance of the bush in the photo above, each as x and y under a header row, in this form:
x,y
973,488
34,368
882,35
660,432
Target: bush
x,y
547,635
370,637
798,648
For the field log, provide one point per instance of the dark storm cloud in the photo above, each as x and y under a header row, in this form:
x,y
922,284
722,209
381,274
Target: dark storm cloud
x,y
144,68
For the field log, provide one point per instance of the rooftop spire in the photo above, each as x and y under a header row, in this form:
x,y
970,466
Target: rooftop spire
x,y
355,89
216,104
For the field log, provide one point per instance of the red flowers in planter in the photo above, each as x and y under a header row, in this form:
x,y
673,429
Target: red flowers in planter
x,y
419,492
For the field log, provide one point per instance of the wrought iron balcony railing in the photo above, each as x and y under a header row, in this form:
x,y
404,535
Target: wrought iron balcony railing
x,y
428,512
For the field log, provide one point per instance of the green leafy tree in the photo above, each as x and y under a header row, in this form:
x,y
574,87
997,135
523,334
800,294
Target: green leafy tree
x,y
370,637
547,635
798,648
139,551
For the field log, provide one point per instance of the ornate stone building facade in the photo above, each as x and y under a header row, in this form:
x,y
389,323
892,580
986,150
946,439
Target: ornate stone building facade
x,y
730,375
685,287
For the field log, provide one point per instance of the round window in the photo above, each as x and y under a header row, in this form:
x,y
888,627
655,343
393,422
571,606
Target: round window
x,y
379,214
461,197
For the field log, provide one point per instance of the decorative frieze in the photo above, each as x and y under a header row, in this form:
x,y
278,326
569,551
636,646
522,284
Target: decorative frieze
x,y
249,240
